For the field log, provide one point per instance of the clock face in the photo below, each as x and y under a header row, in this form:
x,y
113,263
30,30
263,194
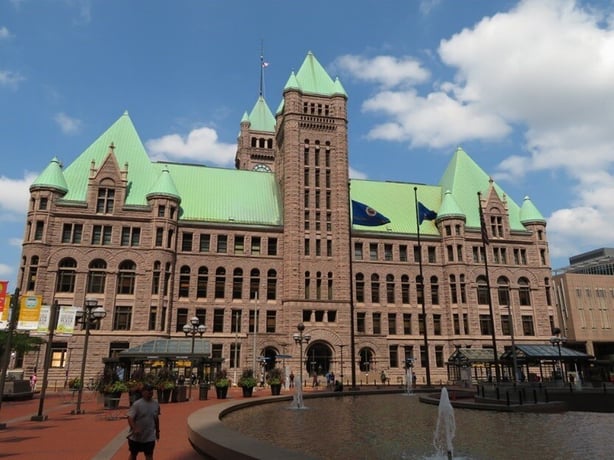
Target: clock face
x,y
261,168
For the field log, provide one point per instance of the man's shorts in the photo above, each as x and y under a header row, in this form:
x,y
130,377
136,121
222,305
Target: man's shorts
x,y
146,447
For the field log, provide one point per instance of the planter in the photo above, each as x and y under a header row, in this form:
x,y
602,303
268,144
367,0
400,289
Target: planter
x,y
221,392
164,396
179,393
111,400
203,391
275,389
247,391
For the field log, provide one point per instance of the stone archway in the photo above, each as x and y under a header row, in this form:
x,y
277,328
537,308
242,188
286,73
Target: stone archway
x,y
318,358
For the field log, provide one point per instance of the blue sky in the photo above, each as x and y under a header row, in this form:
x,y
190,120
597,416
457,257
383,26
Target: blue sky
x,y
524,87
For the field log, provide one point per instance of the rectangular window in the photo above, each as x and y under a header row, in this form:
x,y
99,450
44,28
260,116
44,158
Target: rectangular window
x,y
466,323
432,252
239,244
373,251
377,323
39,230
417,255
101,234
130,236
59,352
420,324
407,323
153,316
272,249
255,245
527,325
42,204
485,325
393,353
205,242
222,244
387,251
182,318
71,233
218,320
456,321
159,237
122,318
437,324
357,251
423,355
360,322
403,253
186,241
271,321
505,325
439,356
105,201
235,321
392,323
161,210
235,354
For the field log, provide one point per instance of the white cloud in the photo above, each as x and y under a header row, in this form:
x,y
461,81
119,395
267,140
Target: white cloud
x,y
6,270
14,196
10,79
17,242
356,174
4,33
200,144
387,71
67,124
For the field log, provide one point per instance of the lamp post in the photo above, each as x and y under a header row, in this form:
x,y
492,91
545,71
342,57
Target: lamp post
x,y
88,317
192,328
341,364
556,340
300,338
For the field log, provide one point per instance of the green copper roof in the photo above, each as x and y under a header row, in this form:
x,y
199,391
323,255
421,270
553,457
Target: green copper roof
x,y
261,118
312,78
339,89
226,195
449,207
165,186
395,200
52,177
128,149
464,178
529,213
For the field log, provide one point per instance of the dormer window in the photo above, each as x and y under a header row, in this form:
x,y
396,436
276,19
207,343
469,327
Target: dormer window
x,y
105,201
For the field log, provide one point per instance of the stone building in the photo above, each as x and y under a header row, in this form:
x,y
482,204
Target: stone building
x,y
273,243
585,302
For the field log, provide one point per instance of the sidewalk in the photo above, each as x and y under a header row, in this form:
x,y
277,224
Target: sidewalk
x,y
98,433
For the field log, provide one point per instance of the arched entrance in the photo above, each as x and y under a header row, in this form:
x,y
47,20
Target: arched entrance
x,y
318,358
269,354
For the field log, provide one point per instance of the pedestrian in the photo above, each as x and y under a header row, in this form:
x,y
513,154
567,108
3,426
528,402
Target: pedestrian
x,y
144,421
33,380
414,379
291,379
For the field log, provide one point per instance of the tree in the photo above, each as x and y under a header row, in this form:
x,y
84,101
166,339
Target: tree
x,y
22,342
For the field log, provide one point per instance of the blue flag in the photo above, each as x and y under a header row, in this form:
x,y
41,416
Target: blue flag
x,y
425,213
365,215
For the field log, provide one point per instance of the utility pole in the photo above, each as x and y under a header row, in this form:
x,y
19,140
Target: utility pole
x,y
6,356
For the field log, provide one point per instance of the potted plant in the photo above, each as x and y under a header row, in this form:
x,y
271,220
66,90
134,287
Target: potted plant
x,y
112,392
247,382
74,384
274,380
164,385
222,382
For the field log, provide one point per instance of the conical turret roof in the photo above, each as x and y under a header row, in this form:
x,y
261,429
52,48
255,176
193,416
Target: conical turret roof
x,y
165,186
449,207
312,78
261,118
51,177
529,213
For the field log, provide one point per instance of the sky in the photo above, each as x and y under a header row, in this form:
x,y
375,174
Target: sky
x,y
526,88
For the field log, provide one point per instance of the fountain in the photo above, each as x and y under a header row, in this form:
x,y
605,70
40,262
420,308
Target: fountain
x,y
297,400
446,426
408,383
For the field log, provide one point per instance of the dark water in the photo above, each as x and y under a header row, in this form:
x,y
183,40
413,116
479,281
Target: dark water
x,y
400,427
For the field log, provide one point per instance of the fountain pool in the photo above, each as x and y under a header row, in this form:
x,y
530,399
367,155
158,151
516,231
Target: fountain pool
x,y
396,427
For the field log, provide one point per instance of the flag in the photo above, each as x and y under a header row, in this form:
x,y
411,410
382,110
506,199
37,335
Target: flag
x,y
265,64
425,213
367,216
483,227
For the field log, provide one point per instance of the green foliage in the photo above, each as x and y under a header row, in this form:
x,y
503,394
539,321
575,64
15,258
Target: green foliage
x,y
221,379
115,387
274,376
75,384
247,379
21,342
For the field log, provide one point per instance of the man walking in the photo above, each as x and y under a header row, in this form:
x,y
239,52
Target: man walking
x,y
144,421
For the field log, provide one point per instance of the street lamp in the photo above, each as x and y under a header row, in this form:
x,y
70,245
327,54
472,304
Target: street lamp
x,y
300,339
192,328
341,347
556,340
88,317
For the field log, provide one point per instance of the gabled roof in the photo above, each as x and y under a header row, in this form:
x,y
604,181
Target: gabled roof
x,y
464,178
261,118
51,177
312,78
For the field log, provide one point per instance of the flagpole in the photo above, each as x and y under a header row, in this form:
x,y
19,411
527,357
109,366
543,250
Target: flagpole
x,y
484,234
421,285
261,68
352,331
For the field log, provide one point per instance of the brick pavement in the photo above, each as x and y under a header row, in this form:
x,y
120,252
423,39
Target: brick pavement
x,y
97,434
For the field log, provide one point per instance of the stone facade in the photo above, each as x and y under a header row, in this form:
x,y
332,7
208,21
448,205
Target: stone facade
x,y
298,272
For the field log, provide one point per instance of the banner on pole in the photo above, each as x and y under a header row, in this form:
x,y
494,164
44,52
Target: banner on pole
x,y
5,314
66,321
4,286
29,312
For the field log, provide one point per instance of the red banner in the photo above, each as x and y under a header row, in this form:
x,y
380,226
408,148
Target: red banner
x,y
4,285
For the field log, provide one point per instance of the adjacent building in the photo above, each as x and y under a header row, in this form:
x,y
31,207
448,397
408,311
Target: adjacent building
x,y
252,252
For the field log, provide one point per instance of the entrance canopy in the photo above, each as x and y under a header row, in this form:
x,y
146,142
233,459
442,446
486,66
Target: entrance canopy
x,y
172,349
470,356
537,353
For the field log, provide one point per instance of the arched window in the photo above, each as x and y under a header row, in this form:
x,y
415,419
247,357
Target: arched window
x,y
237,283
220,282
434,290
524,292
126,277
201,282
67,272
184,281
330,286
318,285
96,276
367,358
482,290
254,284
271,285
503,290
360,287
374,288
419,290
390,288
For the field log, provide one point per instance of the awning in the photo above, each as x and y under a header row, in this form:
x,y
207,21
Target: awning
x,y
468,356
168,348
535,353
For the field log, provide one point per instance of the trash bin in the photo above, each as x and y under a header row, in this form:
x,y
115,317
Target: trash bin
x,y
202,391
